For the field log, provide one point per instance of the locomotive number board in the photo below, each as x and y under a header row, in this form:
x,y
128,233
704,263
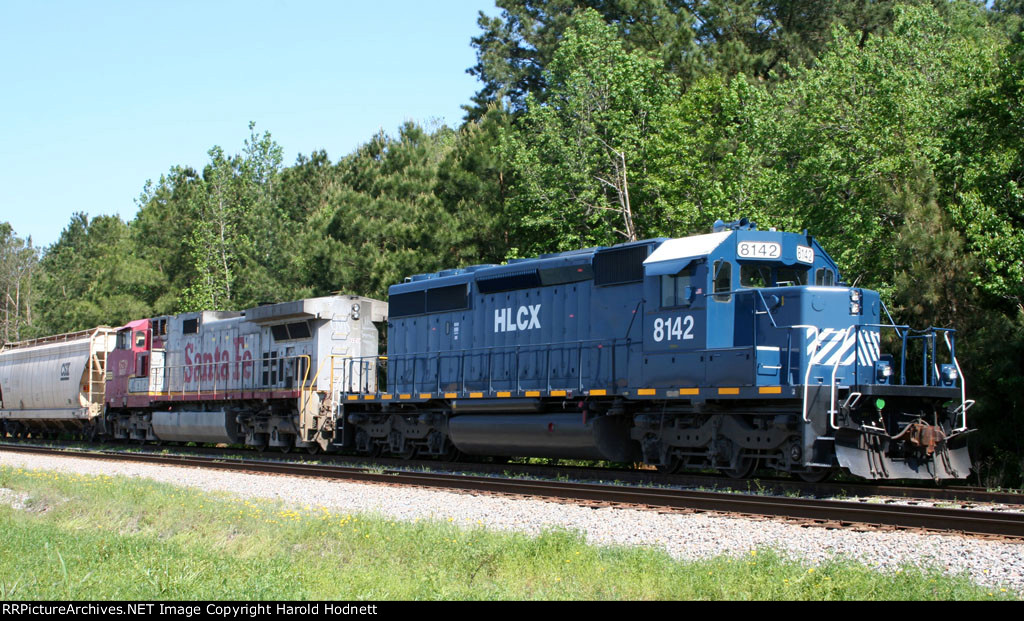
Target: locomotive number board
x,y
759,250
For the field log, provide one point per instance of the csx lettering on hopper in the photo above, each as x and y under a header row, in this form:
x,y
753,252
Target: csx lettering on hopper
x,y
732,350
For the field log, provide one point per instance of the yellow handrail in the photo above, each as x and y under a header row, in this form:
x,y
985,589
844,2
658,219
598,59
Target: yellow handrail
x,y
316,376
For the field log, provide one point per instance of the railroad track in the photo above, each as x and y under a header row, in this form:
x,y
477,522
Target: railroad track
x,y
824,512
961,495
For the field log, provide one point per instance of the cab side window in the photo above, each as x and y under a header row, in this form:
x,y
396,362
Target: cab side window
x,y
723,281
677,290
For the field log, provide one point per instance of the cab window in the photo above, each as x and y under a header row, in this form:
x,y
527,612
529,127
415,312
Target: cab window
x,y
723,281
824,277
677,290
791,276
755,276
140,339
124,339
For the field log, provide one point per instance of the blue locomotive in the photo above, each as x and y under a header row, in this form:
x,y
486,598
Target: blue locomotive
x,y
733,350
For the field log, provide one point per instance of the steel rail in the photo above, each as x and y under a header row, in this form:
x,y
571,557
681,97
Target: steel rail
x,y
843,489
828,511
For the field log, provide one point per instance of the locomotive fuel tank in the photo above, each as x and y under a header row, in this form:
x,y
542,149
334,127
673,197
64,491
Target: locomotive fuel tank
x,y
553,435
196,426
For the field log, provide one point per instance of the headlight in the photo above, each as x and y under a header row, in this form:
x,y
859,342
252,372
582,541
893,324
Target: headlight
x,y
883,371
948,374
855,295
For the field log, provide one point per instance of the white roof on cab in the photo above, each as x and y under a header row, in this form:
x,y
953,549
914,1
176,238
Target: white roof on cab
x,y
687,247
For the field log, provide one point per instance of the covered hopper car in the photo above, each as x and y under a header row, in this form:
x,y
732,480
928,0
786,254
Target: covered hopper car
x,y
55,383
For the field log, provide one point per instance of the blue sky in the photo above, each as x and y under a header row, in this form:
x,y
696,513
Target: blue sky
x,y
97,97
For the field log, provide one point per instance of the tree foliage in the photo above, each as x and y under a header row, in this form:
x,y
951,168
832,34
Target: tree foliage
x,y
706,159
581,156
92,277
690,38
18,263
215,237
988,176
845,134
386,217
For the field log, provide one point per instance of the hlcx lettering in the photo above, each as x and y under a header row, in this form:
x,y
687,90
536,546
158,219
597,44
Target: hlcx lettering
x,y
525,318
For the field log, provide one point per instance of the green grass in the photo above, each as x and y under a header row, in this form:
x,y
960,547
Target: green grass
x,y
86,537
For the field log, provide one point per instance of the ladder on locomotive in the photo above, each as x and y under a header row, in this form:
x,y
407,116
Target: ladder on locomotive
x,y
338,389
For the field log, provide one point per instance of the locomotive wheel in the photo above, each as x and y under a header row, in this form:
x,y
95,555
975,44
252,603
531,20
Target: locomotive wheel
x,y
674,466
375,450
452,454
815,475
743,469
313,448
408,453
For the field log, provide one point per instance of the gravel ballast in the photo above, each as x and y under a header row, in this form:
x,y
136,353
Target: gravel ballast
x,y
685,536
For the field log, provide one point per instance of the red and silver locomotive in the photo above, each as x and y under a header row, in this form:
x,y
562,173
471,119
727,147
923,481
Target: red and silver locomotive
x,y
261,377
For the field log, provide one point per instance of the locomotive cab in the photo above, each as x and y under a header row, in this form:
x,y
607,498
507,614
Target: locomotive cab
x,y
749,313
130,361
715,299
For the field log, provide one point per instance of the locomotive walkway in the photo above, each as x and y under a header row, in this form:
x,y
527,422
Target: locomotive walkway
x,y
829,513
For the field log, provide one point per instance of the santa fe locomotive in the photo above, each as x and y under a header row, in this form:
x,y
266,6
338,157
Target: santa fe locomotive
x,y
731,351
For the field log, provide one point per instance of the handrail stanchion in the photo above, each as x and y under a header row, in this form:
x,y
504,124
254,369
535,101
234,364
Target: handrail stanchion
x,y
519,383
935,375
963,384
462,370
490,373
579,364
833,402
924,361
548,367
903,359
856,349
614,347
